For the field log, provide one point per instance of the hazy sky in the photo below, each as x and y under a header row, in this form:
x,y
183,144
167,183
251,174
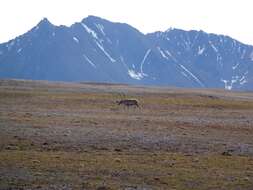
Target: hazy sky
x,y
229,17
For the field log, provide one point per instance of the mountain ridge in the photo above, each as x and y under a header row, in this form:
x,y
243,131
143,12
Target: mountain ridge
x,y
98,50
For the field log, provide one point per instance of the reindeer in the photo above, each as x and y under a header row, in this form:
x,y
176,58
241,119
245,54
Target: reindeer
x,y
125,101
128,102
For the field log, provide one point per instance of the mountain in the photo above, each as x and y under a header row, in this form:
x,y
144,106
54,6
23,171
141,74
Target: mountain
x,y
98,50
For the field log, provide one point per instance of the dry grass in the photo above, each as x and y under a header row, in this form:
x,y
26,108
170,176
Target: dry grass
x,y
158,170
74,136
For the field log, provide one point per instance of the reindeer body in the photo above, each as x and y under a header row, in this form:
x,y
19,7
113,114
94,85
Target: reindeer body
x,y
128,102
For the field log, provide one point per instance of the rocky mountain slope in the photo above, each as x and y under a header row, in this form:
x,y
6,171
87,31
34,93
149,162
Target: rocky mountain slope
x,y
102,51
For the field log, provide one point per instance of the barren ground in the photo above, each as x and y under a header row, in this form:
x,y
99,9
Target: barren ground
x,y
74,136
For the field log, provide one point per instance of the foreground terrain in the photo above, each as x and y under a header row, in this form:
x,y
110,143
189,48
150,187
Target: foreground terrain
x,y
75,136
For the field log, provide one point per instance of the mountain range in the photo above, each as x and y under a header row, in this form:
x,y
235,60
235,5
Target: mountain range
x,y
97,50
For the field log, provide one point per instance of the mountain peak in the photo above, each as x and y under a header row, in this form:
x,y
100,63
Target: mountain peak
x,y
44,25
92,18
44,22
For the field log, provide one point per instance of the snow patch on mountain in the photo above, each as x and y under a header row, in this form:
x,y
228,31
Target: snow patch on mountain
x,y
201,50
171,56
162,53
243,80
143,61
100,27
97,40
235,80
89,61
228,85
90,31
243,54
183,73
168,53
235,66
213,46
192,75
105,52
19,50
76,39
135,75
165,53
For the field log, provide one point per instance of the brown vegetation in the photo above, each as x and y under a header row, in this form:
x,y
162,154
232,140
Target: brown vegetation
x,y
74,136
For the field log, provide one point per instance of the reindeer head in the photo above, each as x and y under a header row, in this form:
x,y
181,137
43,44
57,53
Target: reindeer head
x,y
121,95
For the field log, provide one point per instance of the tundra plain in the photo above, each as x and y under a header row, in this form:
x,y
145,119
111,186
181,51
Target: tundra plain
x,y
75,136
